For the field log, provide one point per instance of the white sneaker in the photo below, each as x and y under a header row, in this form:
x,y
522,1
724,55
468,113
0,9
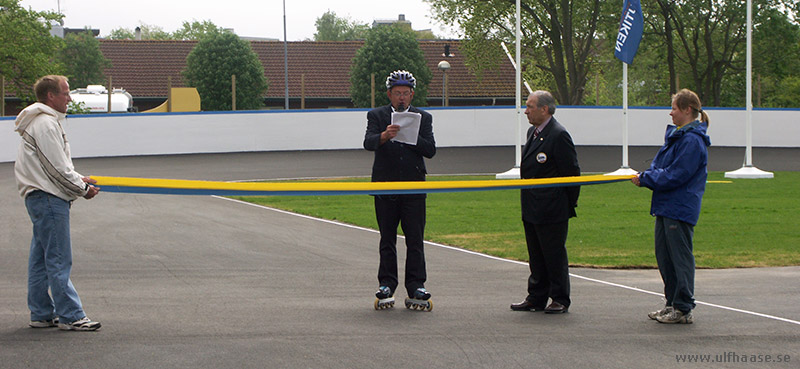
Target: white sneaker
x,y
44,323
84,324
658,313
676,317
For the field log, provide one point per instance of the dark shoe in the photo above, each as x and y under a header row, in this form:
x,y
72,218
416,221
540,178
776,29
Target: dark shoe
x,y
384,292
421,294
555,308
526,305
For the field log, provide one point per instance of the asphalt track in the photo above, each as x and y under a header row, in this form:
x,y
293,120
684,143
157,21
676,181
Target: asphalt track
x,y
206,282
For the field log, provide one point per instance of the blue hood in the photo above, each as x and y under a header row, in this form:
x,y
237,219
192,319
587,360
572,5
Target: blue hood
x,y
696,128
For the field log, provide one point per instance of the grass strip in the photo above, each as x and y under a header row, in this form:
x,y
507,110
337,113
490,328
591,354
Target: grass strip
x,y
743,222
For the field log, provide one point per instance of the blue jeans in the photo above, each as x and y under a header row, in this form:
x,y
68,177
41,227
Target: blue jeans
x,y
50,261
676,261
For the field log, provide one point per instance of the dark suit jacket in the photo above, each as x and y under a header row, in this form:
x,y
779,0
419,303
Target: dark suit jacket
x,y
551,154
396,161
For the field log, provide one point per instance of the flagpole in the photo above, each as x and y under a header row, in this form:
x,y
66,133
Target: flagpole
x,y
625,169
285,60
518,91
625,117
514,172
748,170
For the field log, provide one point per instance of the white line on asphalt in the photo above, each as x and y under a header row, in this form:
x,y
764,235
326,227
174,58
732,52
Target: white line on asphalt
x,y
513,261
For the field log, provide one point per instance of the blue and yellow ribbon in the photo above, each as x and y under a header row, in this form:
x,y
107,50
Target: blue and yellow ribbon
x,y
193,187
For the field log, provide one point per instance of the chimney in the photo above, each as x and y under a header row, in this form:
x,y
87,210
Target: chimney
x,y
138,33
446,52
401,17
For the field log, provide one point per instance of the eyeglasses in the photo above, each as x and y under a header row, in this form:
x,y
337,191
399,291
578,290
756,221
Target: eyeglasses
x,y
403,94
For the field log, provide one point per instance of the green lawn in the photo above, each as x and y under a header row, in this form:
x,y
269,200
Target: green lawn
x,y
745,223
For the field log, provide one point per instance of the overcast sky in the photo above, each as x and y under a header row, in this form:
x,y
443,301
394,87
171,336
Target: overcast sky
x,y
253,18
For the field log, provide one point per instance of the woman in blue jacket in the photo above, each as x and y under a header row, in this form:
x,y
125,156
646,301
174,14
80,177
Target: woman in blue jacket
x,y
677,177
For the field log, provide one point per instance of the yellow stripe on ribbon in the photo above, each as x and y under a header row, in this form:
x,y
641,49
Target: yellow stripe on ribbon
x,y
193,187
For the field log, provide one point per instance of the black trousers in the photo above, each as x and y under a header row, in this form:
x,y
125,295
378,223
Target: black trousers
x,y
676,261
549,266
409,212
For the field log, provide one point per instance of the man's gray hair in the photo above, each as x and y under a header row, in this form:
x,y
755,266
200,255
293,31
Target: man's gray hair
x,y
545,98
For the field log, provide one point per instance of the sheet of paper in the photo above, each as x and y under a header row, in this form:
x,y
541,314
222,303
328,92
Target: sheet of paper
x,y
409,126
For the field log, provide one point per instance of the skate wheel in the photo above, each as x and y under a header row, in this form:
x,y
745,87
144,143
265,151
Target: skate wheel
x,y
430,305
383,305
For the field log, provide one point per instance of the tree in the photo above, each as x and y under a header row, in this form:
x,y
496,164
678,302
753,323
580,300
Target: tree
x,y
705,43
677,53
650,82
777,73
387,49
195,30
709,35
26,47
333,28
786,93
211,63
558,36
83,60
121,34
148,32
425,34
78,107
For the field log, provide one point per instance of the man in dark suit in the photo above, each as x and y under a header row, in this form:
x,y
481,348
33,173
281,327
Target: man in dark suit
x,y
548,152
399,161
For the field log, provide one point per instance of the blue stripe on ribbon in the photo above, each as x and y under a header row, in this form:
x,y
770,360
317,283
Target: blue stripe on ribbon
x,y
221,192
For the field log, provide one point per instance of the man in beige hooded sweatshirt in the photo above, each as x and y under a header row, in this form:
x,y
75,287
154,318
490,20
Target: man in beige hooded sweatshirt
x,y
48,182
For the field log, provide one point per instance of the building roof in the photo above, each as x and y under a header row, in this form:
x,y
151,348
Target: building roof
x,y
143,68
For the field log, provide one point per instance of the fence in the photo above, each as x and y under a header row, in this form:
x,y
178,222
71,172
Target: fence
x,y
241,131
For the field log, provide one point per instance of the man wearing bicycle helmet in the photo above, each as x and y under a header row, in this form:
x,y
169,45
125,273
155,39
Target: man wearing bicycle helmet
x,y
399,161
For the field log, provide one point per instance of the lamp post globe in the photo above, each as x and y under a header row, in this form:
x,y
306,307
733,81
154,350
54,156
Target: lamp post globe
x,y
444,66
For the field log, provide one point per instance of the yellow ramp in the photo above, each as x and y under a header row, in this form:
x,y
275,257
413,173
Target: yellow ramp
x,y
183,99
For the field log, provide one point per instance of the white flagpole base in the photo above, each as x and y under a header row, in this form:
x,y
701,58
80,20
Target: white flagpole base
x,y
622,171
749,172
512,173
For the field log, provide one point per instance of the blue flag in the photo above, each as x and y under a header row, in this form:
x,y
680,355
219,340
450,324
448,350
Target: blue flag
x,y
631,27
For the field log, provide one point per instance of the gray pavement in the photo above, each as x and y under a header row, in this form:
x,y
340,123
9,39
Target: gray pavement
x,y
206,282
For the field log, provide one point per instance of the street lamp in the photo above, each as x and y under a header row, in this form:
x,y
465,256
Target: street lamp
x,y
444,66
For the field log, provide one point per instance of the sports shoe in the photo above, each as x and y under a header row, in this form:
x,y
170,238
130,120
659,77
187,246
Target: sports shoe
x,y
384,292
676,317
50,323
421,294
658,313
84,324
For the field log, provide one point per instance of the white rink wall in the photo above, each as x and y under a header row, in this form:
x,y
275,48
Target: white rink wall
x,y
103,135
